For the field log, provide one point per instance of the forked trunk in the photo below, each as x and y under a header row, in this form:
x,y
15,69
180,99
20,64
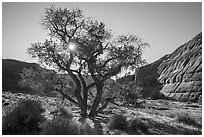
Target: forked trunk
x,y
77,93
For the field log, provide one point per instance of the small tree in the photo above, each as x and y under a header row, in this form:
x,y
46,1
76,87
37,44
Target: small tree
x,y
130,93
81,46
44,81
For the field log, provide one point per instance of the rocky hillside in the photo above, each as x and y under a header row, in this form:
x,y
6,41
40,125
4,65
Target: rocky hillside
x,y
10,74
181,72
177,75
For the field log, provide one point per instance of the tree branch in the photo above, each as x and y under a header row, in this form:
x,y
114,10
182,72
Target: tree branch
x,y
92,73
114,103
58,64
80,76
106,104
102,107
55,60
108,60
112,72
82,81
76,28
57,30
69,62
91,85
69,98
66,28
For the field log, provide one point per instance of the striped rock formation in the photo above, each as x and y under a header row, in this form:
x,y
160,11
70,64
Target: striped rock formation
x,y
177,75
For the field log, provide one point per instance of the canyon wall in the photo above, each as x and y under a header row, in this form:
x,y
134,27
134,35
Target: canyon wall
x,y
178,75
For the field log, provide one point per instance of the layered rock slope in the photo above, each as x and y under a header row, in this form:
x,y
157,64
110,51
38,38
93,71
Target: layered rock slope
x,y
177,75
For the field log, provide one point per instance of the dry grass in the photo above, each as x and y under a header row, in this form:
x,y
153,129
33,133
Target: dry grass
x,y
188,120
161,117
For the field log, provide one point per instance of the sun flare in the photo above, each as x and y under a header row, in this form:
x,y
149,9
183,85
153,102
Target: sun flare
x,y
72,47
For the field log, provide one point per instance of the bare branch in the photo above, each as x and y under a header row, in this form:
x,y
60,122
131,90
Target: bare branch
x,y
108,60
69,98
57,30
81,77
112,72
91,85
58,64
69,62
76,28
107,100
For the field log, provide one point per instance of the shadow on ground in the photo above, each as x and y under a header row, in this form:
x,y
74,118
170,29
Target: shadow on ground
x,y
157,128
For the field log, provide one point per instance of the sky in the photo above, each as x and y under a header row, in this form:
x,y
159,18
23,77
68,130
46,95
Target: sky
x,y
165,26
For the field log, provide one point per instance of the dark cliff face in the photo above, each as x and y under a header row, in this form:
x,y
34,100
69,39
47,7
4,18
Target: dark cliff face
x,y
177,75
147,77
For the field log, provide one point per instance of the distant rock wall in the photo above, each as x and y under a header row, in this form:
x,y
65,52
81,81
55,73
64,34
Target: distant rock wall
x,y
181,72
177,75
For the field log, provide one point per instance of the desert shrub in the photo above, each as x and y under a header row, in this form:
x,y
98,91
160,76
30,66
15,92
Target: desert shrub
x,y
118,122
186,119
137,125
64,126
86,128
59,126
130,92
25,118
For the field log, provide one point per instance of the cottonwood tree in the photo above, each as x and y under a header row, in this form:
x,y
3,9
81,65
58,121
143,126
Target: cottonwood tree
x,y
79,46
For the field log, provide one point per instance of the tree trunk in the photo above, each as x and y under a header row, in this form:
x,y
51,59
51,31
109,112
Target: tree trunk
x,y
85,99
83,111
99,87
77,94
85,94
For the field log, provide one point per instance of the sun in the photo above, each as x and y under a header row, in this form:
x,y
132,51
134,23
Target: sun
x,y
72,46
